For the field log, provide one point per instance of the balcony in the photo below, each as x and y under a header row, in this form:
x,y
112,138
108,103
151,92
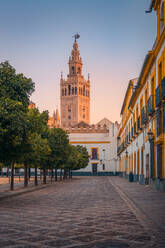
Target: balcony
x,y
158,96
132,136
135,131
126,140
143,116
138,123
164,117
163,88
150,108
158,123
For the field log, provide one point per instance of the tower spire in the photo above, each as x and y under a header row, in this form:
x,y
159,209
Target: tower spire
x,y
76,36
75,91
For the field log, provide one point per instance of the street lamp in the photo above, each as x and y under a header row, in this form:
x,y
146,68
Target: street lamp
x,y
150,135
104,153
104,159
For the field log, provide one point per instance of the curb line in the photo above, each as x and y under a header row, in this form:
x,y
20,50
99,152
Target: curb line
x,y
24,191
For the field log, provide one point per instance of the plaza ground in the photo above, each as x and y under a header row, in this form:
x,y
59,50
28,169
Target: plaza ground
x,y
85,212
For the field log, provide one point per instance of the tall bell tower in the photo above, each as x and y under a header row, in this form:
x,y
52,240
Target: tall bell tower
x,y
74,92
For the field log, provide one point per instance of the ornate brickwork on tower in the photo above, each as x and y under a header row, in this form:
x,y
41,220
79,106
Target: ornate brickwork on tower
x,y
74,93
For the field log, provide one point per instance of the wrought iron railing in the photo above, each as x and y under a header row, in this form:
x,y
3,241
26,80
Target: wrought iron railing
x,y
158,96
139,123
135,131
158,122
143,116
132,133
150,108
164,117
163,88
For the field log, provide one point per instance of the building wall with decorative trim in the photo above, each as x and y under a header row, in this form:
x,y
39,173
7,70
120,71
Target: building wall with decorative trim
x,y
101,143
141,138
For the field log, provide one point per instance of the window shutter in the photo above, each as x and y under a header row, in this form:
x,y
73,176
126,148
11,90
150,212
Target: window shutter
x,y
164,116
159,160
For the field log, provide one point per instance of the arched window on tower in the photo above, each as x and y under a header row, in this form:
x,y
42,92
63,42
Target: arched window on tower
x,y
79,70
65,91
75,90
162,18
72,90
62,92
72,69
84,90
81,91
69,90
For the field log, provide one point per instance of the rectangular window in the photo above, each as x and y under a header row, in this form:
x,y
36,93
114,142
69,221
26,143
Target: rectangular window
x,y
142,161
141,107
146,100
159,160
137,114
94,153
134,163
153,92
159,73
158,122
164,117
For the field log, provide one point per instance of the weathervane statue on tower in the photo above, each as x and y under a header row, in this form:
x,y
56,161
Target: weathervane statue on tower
x,y
76,36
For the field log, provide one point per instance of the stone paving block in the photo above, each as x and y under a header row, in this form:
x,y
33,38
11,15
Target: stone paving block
x,y
87,212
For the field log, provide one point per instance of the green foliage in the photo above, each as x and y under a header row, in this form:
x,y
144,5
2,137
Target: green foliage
x,y
58,142
15,90
83,157
31,147
15,86
78,157
24,135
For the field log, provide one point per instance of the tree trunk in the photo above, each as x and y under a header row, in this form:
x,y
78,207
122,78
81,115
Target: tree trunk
x,y
25,175
44,176
55,174
29,173
60,174
2,171
71,173
12,176
52,174
36,179
7,174
65,174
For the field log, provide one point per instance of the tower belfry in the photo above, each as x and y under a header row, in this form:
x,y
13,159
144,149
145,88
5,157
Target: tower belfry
x,y
74,92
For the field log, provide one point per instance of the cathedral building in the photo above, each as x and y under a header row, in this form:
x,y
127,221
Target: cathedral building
x,y
100,139
54,121
74,92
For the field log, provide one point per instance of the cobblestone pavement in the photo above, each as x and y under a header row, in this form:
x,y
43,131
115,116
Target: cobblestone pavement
x,y
86,212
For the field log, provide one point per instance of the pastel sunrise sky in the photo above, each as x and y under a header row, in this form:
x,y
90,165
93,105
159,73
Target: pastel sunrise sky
x,y
115,35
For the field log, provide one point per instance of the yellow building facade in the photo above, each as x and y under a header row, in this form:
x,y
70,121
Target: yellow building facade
x,y
141,138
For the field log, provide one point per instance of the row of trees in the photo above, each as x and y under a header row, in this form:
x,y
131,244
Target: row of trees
x,y
25,138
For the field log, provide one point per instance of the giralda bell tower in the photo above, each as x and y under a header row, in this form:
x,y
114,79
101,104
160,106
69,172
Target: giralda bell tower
x,y
74,92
